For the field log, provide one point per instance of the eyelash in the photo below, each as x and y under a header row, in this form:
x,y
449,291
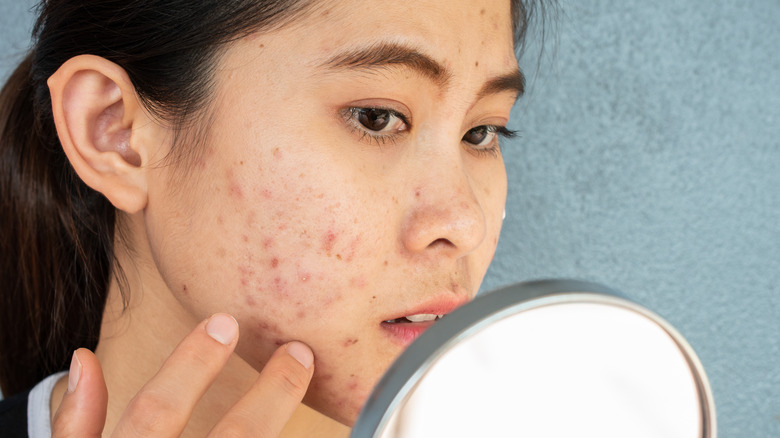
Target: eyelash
x,y
351,116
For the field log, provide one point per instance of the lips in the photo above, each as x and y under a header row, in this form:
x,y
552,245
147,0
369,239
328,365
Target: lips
x,y
420,317
405,329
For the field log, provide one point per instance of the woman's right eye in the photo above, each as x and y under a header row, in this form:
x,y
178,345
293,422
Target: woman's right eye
x,y
380,124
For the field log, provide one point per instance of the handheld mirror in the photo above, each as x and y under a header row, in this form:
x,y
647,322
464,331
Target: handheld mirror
x,y
553,358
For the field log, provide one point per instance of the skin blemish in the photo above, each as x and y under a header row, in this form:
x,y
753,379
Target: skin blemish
x,y
331,299
476,63
275,263
268,242
268,327
278,342
280,286
338,256
353,246
250,301
221,253
245,238
220,220
328,242
251,218
358,282
350,342
277,153
184,290
234,189
482,11
246,271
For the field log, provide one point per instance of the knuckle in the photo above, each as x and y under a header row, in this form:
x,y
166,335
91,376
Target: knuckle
x,y
233,427
194,355
231,431
150,413
228,432
290,382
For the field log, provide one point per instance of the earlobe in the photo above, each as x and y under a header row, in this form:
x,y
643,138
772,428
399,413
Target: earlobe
x,y
96,112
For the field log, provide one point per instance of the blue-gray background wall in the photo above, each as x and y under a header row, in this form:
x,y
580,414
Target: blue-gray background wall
x,y
649,161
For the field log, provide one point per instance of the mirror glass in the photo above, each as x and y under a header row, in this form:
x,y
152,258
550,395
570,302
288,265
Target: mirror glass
x,y
551,359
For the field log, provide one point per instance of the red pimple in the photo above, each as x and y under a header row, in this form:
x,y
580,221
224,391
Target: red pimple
x,y
328,241
250,301
268,242
246,270
358,282
233,187
267,326
275,263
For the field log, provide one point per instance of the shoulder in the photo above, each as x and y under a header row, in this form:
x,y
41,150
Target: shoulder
x,y
13,415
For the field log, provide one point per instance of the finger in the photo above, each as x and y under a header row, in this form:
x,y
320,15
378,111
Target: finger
x,y
269,404
164,405
82,412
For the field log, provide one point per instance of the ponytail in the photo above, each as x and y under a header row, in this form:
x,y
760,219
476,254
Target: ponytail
x,y
56,243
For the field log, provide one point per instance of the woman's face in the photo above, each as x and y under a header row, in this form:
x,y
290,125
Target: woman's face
x,y
350,186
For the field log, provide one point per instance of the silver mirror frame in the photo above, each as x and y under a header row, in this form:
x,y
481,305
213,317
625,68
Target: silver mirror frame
x,y
404,374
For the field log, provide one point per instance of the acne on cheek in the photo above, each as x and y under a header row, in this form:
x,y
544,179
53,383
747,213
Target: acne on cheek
x,y
235,190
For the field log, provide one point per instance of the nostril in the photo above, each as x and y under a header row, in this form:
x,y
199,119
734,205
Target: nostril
x,y
441,242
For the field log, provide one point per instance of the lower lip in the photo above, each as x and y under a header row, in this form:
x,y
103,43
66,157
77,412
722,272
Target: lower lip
x,y
406,332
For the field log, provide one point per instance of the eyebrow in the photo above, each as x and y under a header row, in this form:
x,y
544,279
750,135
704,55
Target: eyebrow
x,y
384,55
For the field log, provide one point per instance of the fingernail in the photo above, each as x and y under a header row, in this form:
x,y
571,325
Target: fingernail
x,y
223,328
301,353
75,373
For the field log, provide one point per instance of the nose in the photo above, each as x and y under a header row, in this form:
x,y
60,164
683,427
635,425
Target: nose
x,y
445,216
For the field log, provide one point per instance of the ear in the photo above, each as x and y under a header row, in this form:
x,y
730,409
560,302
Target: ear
x,y
99,121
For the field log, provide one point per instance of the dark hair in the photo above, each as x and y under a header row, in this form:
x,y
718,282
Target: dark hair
x,y
56,234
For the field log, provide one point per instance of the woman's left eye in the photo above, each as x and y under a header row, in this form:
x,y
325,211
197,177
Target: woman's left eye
x,y
484,136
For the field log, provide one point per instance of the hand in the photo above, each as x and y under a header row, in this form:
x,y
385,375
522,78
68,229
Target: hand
x,y
165,403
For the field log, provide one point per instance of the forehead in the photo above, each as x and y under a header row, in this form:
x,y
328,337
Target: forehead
x,y
448,31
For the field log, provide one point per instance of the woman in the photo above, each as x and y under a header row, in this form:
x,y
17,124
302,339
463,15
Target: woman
x,y
325,175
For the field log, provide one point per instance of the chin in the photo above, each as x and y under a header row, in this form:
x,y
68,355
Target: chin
x,y
334,403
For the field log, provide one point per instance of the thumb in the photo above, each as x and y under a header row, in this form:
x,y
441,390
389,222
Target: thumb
x,y
82,412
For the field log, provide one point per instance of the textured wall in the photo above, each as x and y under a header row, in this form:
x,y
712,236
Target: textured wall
x,y
649,161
